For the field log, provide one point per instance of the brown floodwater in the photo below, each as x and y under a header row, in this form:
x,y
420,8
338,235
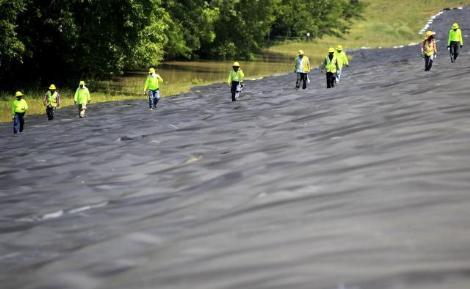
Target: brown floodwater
x,y
179,76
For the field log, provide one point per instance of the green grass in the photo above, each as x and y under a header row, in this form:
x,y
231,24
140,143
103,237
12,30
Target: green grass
x,y
386,24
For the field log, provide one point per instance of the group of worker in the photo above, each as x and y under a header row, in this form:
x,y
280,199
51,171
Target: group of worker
x,y
333,66
429,46
51,102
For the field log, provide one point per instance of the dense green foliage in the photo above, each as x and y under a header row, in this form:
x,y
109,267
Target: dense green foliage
x,y
55,40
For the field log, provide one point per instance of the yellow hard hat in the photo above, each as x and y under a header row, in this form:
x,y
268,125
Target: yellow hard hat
x,y
82,82
340,47
455,26
429,34
18,93
301,52
152,70
52,87
236,64
331,50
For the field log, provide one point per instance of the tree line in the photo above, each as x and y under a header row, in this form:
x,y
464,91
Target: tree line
x,y
42,40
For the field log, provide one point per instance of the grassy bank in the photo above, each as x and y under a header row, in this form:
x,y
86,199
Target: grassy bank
x,y
386,23
106,93
179,77
36,105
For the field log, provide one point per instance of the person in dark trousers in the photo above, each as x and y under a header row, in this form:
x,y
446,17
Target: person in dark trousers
x,y
455,42
235,80
331,66
18,110
301,68
429,50
51,101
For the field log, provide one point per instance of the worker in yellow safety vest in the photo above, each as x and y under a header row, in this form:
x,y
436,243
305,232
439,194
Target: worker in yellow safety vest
x,y
82,98
51,101
152,88
455,41
18,109
343,61
429,49
235,80
302,68
330,66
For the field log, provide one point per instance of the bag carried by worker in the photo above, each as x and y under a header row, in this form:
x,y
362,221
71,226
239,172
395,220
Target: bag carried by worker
x,y
83,111
238,91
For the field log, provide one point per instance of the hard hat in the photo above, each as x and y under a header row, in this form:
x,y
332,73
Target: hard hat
x,y
331,50
339,48
236,64
82,82
52,87
429,34
82,113
455,26
18,93
152,70
301,52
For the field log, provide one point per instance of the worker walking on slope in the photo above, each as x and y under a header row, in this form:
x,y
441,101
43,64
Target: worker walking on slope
x,y
235,80
331,66
152,88
82,98
51,101
302,68
429,50
18,110
343,61
455,42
